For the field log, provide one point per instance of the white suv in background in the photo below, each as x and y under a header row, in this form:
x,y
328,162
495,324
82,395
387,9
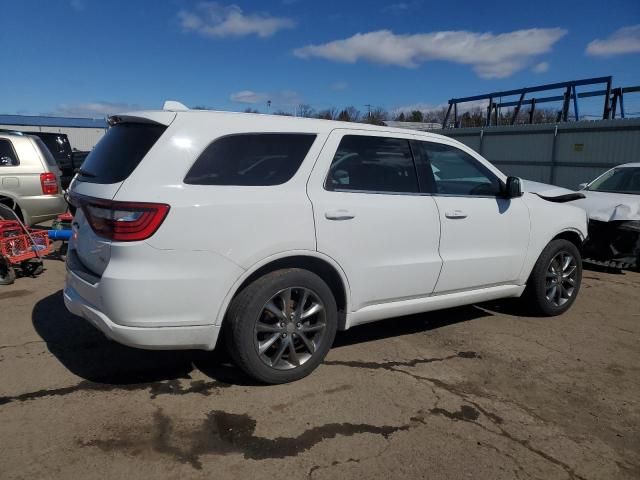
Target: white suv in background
x,y
279,231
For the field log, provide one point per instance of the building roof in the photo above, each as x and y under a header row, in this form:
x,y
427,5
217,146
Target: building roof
x,y
50,121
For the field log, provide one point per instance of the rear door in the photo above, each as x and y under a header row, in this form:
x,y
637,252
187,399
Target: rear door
x,y
371,218
102,174
484,235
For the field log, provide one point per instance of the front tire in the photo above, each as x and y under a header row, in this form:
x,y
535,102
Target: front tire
x,y
281,326
555,280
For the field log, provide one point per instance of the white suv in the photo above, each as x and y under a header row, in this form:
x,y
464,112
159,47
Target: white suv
x,y
279,231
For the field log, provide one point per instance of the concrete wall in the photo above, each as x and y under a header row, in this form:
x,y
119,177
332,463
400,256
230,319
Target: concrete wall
x,y
565,154
80,138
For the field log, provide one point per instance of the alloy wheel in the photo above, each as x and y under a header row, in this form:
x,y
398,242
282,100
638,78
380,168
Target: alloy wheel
x,y
561,278
290,328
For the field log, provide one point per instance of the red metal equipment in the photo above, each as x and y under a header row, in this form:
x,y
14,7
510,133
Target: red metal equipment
x,y
23,247
17,245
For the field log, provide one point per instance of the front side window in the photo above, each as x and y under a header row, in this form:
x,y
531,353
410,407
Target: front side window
x,y
8,157
254,159
372,164
447,170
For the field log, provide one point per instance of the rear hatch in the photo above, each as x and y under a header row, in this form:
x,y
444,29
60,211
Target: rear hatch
x,y
99,220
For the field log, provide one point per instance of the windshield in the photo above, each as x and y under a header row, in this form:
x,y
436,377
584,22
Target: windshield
x,y
618,180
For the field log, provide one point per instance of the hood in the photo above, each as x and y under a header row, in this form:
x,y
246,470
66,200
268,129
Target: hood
x,y
544,189
609,207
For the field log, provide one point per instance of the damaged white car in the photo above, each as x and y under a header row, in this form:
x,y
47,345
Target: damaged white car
x,y
612,202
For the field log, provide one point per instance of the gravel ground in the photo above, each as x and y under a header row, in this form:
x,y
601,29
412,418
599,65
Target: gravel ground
x,y
473,392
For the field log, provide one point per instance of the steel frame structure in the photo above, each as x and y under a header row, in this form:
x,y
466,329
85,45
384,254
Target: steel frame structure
x,y
613,97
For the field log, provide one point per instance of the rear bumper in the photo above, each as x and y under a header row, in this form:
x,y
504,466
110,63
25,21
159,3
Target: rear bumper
x,y
201,337
41,208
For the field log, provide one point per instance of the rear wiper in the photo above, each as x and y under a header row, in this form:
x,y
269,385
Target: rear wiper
x,y
84,173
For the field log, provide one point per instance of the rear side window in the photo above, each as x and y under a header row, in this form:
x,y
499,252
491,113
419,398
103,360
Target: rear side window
x,y
255,159
372,164
46,153
8,157
119,152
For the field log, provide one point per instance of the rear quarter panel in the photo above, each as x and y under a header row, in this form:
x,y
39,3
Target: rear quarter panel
x,y
243,224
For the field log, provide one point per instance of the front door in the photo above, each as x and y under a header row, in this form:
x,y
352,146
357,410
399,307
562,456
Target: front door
x,y
484,235
371,218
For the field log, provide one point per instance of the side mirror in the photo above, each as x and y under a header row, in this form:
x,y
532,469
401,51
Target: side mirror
x,y
582,186
513,188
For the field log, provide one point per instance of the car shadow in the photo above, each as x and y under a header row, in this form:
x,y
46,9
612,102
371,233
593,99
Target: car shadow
x,y
408,325
87,353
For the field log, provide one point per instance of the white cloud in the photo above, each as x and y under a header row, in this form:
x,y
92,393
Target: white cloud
x,y
540,67
248,96
77,5
401,7
491,56
337,86
624,40
212,19
93,109
283,98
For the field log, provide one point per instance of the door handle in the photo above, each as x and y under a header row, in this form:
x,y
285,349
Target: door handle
x,y
339,215
456,214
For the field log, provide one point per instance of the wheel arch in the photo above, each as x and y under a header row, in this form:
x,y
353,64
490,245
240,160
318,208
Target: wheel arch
x,y
323,266
572,236
13,204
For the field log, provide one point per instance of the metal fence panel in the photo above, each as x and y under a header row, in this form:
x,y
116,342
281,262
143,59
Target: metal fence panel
x,y
565,154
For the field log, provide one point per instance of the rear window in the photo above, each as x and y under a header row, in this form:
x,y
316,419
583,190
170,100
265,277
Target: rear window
x,y
251,159
58,145
119,152
46,153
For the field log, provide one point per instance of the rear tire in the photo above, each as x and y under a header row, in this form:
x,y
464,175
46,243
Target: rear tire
x,y
7,213
555,280
32,268
281,326
7,273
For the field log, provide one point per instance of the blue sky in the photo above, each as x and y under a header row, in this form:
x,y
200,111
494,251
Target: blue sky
x,y
91,57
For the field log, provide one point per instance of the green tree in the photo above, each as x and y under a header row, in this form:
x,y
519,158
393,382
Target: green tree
x,y
416,116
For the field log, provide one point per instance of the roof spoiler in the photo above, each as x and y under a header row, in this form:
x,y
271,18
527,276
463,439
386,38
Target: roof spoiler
x,y
174,106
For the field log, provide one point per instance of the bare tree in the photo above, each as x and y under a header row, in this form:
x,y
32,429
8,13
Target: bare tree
x,y
306,110
349,114
436,116
400,117
282,113
250,110
377,116
328,114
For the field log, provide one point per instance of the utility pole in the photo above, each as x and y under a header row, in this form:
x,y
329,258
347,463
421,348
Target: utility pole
x,y
368,105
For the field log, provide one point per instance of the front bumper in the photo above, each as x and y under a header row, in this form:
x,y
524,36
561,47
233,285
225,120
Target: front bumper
x,y
200,337
615,241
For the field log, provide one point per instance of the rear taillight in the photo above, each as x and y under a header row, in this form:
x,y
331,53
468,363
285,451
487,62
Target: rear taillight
x,y
122,221
49,183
